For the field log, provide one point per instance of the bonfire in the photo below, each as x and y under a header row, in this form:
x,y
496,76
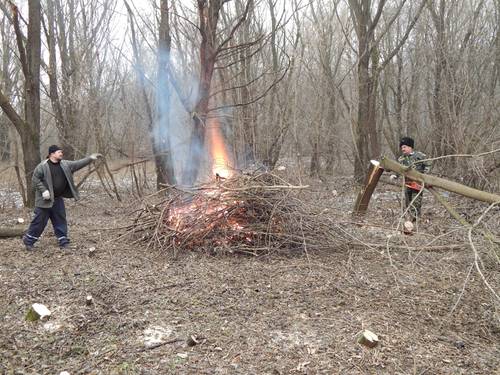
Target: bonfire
x,y
254,213
247,213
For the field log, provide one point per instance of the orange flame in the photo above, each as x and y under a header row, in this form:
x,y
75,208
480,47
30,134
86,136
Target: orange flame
x,y
218,150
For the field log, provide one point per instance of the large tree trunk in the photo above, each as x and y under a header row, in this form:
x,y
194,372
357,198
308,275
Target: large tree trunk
x,y
162,147
440,122
63,74
366,136
364,121
30,137
208,16
159,126
369,67
29,127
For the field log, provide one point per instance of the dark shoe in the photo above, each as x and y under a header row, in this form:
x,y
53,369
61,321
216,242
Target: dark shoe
x,y
28,246
67,246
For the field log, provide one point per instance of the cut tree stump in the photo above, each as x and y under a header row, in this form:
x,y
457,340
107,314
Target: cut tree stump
x,y
36,312
366,192
368,339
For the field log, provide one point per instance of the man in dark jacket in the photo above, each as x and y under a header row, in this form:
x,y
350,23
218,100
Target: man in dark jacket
x,y
52,181
413,190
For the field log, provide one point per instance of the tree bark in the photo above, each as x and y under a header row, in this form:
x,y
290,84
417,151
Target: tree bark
x,y
165,173
371,181
365,131
29,127
370,65
208,16
11,231
158,136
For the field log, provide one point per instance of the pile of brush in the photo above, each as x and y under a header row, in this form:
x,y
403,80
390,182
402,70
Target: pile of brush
x,y
253,214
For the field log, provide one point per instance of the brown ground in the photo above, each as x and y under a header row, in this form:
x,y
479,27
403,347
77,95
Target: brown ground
x,y
276,314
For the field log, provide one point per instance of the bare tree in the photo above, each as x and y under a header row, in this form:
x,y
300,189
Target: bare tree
x,y
158,121
162,143
9,72
28,127
324,72
369,66
211,46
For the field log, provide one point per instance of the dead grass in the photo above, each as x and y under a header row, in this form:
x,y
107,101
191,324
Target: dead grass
x,y
274,314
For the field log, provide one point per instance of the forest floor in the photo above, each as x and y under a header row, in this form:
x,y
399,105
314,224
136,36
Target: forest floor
x,y
196,313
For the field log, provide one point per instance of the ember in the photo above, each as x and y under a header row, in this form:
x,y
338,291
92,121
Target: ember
x,y
251,214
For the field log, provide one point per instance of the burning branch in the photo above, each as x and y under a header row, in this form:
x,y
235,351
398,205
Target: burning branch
x,y
252,214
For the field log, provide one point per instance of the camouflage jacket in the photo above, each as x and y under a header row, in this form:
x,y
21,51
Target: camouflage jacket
x,y
413,160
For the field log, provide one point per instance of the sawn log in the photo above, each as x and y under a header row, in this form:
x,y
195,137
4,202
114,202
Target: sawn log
x,y
16,231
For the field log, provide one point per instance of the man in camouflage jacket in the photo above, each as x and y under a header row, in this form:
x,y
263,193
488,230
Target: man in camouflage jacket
x,y
413,190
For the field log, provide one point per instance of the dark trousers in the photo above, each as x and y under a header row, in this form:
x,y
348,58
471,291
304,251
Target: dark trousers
x,y
57,215
413,202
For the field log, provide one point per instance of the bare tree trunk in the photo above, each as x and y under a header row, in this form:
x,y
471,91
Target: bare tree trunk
x,y
371,180
314,169
29,127
162,156
63,75
440,126
162,147
7,84
366,140
366,132
248,120
208,16
30,136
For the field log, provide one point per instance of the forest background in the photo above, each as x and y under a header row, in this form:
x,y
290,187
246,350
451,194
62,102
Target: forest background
x,y
325,84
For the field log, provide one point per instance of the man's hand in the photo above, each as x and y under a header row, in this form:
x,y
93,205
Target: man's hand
x,y
95,156
393,177
46,195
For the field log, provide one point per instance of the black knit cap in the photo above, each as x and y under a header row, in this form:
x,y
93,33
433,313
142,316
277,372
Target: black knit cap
x,y
407,141
54,148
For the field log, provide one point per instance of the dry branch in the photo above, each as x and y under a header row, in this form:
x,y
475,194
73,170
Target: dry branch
x,y
251,214
438,248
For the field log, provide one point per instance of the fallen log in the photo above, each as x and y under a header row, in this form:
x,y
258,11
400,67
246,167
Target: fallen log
x,y
16,231
429,180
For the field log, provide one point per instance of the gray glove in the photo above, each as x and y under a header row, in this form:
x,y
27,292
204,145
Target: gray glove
x,y
95,156
46,195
